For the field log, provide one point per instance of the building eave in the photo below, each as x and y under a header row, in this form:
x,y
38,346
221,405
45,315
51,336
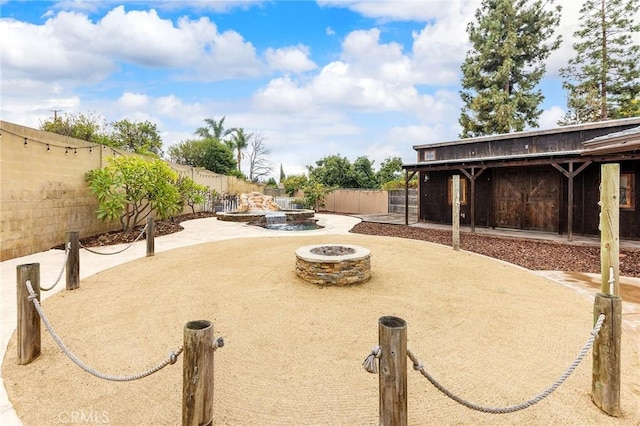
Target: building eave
x,y
533,133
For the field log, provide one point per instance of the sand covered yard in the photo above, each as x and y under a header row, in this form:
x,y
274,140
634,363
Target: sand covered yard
x,y
490,332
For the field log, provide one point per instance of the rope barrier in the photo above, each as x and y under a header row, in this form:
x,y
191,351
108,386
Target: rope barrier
x,y
119,251
171,359
370,365
64,265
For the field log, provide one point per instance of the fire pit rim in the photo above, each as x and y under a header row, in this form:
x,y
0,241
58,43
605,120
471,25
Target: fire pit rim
x,y
305,253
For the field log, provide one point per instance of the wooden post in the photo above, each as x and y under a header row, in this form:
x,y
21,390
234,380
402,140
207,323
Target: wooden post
x,y
455,216
28,327
151,235
392,337
406,196
73,261
472,198
605,384
197,374
570,203
610,226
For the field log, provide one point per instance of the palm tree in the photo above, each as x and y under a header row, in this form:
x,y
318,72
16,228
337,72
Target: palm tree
x,y
217,127
239,141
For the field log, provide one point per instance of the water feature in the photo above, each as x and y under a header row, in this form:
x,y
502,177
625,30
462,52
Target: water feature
x,y
303,225
262,209
273,218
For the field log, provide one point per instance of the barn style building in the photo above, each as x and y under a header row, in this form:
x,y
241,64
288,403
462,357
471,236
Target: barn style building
x,y
541,180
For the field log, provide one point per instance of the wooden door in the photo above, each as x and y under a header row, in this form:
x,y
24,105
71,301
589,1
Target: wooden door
x,y
527,198
542,201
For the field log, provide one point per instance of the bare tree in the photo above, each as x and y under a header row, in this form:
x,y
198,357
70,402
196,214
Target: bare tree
x,y
259,164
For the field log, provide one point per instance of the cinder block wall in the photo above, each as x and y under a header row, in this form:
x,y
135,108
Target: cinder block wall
x,y
43,194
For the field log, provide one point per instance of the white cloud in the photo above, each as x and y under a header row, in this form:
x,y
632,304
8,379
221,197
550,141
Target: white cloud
x,y
133,101
53,51
393,10
69,46
218,6
368,57
282,95
440,47
418,134
549,117
569,23
294,59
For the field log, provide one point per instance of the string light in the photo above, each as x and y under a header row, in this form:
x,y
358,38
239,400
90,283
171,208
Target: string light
x,y
25,142
75,151
90,150
48,148
66,150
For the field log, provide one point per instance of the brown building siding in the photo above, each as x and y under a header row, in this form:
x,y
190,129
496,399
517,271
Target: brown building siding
x,y
524,180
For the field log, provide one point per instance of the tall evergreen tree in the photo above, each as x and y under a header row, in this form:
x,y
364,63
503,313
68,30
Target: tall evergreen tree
x,y
603,79
511,39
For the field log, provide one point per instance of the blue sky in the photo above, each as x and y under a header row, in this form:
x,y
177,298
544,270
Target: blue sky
x,y
310,78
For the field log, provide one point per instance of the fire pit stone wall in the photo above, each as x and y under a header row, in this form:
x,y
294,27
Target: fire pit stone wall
x,y
333,264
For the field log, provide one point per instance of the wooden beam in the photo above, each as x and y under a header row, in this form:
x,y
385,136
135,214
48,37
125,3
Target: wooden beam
x,y
610,226
453,165
570,175
472,179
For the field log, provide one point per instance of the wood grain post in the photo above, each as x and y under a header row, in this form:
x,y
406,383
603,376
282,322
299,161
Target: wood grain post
x,y
392,337
151,235
605,384
28,327
73,261
610,226
455,209
197,374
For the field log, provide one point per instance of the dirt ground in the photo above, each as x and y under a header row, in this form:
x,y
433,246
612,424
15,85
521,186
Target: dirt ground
x,y
490,332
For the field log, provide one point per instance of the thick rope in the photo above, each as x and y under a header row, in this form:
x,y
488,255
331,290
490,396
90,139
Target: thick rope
x,y
173,356
64,265
370,365
119,251
369,362
512,408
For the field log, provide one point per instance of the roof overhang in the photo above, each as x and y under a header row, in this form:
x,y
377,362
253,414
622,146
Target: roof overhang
x,y
530,159
626,141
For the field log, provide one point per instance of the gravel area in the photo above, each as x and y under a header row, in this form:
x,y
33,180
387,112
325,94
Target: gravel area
x,y
531,254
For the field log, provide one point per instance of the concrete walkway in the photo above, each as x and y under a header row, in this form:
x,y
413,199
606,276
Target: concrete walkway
x,y
197,232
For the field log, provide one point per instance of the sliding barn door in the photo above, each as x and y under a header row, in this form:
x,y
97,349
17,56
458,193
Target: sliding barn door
x,y
527,198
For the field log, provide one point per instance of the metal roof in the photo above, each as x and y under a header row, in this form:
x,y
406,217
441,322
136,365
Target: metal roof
x,y
532,133
496,158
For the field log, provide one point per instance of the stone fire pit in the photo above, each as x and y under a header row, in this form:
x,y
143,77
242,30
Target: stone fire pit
x,y
333,264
